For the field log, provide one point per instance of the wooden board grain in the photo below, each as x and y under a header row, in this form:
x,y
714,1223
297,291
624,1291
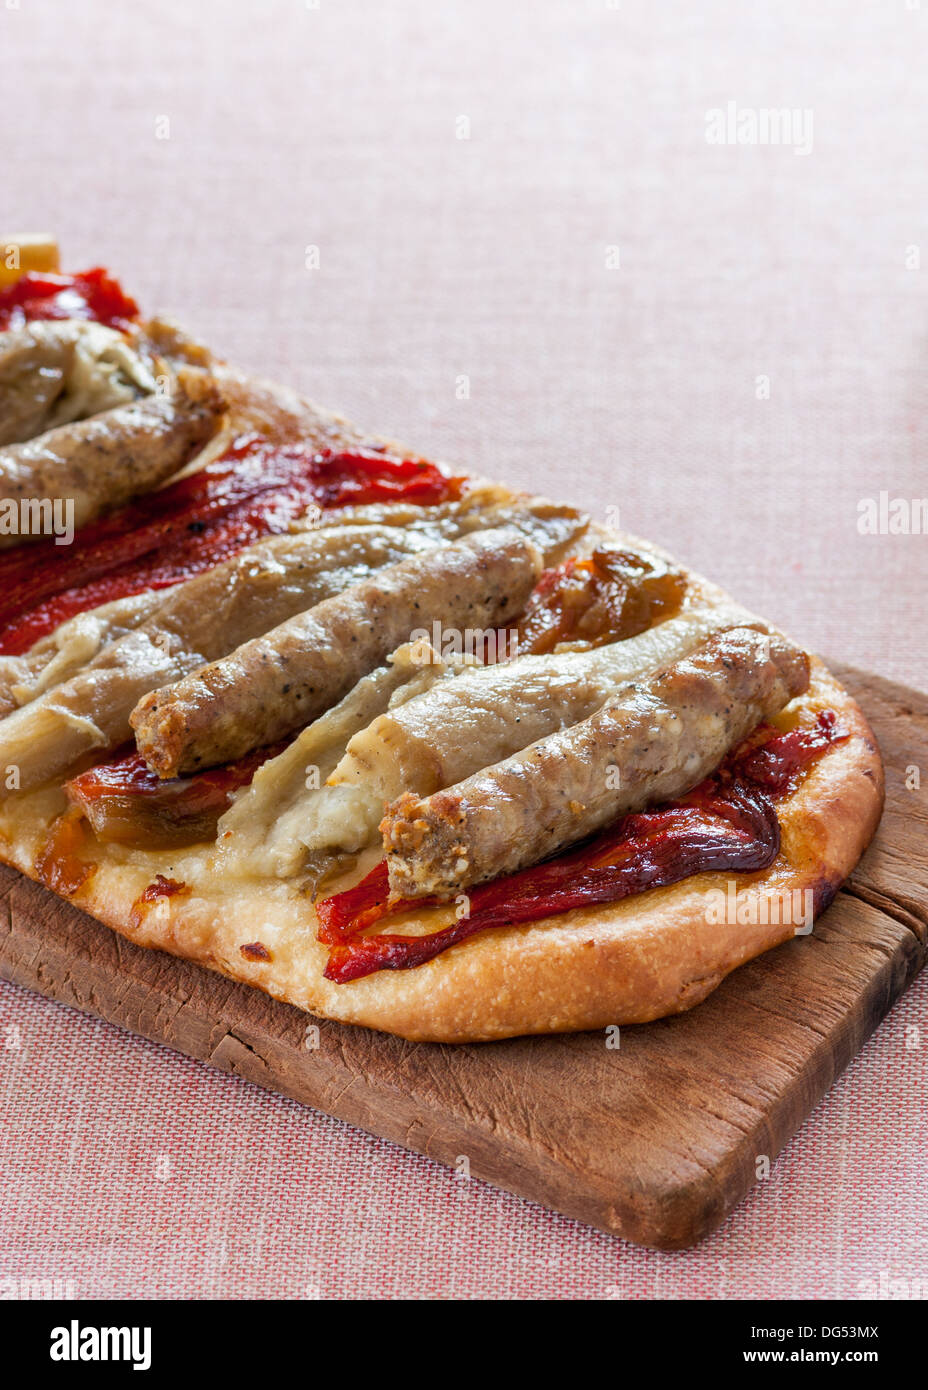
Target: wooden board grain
x,y
656,1140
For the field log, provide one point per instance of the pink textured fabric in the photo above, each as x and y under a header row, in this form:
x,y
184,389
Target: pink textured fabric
x,y
499,233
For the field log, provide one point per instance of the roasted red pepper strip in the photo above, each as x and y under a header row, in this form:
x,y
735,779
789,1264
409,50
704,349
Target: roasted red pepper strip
x,y
91,294
346,914
728,822
776,764
127,804
254,489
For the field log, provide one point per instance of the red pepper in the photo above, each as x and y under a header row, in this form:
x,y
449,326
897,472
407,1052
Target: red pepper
x,y
127,804
254,489
727,823
91,294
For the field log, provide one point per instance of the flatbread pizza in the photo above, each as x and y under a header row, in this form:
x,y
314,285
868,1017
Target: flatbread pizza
x,y
400,745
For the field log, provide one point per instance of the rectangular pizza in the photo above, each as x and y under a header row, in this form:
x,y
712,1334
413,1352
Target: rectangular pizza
x,y
398,744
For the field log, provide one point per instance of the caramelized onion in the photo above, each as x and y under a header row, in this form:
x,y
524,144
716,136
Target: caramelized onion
x,y
612,595
128,804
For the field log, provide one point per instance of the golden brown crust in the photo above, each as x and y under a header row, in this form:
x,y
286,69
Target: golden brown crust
x,y
653,954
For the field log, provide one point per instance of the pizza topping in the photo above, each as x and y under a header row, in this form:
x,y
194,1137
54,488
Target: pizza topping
x,y
76,689
291,821
73,474
59,864
492,712
71,647
254,489
266,830
726,824
276,684
90,294
196,622
651,740
128,805
367,536
54,373
613,595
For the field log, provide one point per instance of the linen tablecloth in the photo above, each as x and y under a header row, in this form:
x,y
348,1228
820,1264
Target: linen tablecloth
x,y
538,239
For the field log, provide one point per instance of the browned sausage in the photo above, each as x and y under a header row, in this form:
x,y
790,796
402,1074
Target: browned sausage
x,y
274,685
99,463
653,740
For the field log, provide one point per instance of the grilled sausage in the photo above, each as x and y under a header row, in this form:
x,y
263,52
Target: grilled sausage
x,y
100,463
653,740
84,679
56,657
272,686
491,712
52,373
198,621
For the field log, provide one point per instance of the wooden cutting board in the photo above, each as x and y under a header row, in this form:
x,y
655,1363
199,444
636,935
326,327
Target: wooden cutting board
x,y
654,1141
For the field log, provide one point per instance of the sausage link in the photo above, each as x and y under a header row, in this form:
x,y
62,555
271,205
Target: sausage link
x,y
272,686
102,462
652,741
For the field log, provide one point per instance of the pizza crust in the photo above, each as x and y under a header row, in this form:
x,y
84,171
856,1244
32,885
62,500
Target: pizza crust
x,y
629,962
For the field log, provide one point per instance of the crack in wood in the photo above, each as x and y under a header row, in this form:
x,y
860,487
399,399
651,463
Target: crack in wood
x,y
913,918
